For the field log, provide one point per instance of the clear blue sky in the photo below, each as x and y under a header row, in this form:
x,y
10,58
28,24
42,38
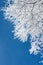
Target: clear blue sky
x,y
13,52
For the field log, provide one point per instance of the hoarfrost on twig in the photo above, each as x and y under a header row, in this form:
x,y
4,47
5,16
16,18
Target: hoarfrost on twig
x,y
27,17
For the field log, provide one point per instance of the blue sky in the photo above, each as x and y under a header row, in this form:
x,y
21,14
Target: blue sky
x,y
13,52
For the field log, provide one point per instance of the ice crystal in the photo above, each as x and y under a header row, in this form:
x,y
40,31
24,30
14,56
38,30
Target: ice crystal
x,y
27,18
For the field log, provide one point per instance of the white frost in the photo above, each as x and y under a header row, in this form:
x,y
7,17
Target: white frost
x,y
27,17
